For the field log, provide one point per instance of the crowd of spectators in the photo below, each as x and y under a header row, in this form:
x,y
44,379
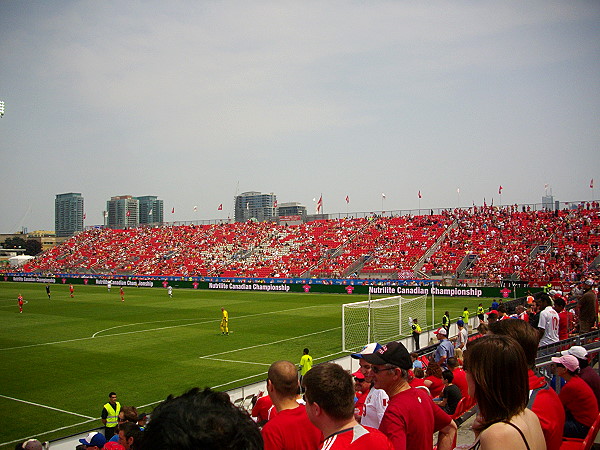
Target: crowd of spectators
x,y
395,400
495,242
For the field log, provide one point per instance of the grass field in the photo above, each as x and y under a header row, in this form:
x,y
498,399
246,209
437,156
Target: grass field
x,y
61,357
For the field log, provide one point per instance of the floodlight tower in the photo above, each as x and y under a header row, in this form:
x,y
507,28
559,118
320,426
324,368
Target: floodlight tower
x,y
1,109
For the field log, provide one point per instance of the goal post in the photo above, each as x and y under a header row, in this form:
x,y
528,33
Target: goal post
x,y
381,320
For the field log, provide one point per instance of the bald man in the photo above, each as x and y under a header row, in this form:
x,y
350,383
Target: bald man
x,y
290,429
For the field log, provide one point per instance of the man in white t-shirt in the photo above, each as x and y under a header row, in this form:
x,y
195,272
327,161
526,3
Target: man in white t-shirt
x,y
462,337
377,399
548,323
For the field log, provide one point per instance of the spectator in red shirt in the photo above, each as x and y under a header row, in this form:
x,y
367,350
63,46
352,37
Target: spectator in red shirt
x,y
411,417
290,429
329,394
460,377
586,372
361,388
260,409
565,318
543,400
577,397
433,379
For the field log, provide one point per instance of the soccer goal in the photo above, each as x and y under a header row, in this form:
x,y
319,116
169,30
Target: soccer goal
x,y
383,320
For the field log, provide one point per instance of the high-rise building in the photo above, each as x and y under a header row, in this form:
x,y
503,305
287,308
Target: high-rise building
x,y
68,214
255,205
151,209
122,211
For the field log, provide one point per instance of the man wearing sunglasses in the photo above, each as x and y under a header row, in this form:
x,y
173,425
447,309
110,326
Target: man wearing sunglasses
x,y
411,417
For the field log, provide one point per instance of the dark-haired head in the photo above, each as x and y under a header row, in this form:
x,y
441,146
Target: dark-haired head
x,y
489,362
200,419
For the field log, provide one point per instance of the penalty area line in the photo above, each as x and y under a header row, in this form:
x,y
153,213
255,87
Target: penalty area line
x,y
269,343
47,407
240,362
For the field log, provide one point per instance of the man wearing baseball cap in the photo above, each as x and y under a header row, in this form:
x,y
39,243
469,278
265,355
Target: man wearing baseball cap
x,y
445,349
94,440
376,400
411,417
586,373
578,399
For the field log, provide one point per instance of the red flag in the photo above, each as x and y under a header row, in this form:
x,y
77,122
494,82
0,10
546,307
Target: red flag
x,y
320,204
128,213
500,190
420,194
83,216
347,199
275,204
592,183
173,211
220,208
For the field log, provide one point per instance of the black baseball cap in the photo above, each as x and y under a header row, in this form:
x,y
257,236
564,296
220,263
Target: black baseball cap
x,y
391,353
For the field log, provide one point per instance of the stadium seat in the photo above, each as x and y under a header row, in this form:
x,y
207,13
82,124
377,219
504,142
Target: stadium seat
x,y
582,444
464,404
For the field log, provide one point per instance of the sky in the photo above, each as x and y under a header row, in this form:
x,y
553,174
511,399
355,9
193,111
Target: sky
x,y
197,101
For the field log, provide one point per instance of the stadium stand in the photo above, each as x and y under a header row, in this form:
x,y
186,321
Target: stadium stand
x,y
486,244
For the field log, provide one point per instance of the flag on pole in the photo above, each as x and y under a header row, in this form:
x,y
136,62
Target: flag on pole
x,y
458,190
320,204
420,196
128,213
150,213
275,204
382,195
592,183
247,205
105,214
347,199
195,208
500,190
83,216
173,211
220,208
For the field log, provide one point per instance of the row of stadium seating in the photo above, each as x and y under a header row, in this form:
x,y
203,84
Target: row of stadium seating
x,y
501,241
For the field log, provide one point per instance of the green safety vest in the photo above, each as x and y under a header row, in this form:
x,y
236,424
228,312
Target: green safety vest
x,y
113,415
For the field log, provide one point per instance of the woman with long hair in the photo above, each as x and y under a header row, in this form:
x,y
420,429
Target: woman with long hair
x,y
497,377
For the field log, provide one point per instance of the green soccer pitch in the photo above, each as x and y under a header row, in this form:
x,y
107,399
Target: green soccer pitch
x,y
62,356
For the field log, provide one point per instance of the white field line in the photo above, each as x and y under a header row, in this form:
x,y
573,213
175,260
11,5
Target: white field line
x,y
156,329
270,343
239,362
47,407
47,432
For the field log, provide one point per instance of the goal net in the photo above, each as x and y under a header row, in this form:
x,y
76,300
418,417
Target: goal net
x,y
383,320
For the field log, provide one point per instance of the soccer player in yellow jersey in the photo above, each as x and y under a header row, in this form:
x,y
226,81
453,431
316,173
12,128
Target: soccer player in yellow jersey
x,y
224,322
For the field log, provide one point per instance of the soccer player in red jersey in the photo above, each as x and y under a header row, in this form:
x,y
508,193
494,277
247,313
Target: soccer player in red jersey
x,y
72,290
122,294
20,303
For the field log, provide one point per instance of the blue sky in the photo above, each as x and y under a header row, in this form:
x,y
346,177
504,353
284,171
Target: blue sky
x,y
195,101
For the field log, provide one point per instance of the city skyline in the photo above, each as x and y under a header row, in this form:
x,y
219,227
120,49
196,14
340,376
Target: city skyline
x,y
375,106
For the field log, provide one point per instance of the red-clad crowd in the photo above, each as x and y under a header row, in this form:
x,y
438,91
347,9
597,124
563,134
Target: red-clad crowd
x,y
531,245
